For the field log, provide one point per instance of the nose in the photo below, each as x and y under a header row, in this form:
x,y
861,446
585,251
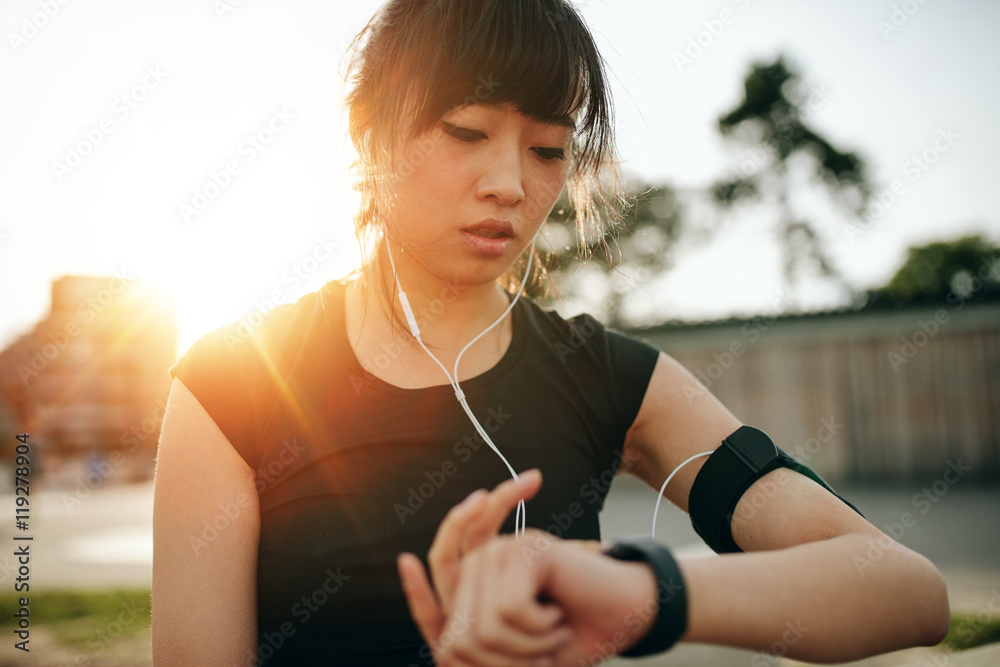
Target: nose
x,y
502,176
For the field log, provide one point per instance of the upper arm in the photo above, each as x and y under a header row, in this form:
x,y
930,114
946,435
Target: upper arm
x,y
679,418
206,526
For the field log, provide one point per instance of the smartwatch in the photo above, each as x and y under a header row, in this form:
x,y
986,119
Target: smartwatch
x,y
671,617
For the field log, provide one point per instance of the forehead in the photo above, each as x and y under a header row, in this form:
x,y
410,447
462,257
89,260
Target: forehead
x,y
511,108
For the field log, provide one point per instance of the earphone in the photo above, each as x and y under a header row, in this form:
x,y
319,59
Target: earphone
x,y
411,320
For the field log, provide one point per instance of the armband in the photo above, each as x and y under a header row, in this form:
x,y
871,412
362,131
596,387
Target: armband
x,y
671,616
744,457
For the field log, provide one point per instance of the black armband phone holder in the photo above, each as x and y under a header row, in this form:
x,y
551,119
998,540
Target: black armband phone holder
x,y
744,457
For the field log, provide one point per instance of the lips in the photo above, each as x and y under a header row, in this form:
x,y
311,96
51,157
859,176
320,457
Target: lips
x,y
488,233
489,237
492,229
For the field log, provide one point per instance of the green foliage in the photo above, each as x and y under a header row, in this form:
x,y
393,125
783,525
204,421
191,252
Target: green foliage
x,y
779,124
771,125
969,631
79,617
941,270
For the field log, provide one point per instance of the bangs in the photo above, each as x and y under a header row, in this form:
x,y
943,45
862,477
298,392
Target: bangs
x,y
418,59
535,54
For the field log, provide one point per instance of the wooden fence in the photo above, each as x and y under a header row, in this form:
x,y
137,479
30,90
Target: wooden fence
x,y
859,395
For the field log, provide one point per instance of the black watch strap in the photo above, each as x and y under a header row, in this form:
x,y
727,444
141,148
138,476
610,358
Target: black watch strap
x,y
671,617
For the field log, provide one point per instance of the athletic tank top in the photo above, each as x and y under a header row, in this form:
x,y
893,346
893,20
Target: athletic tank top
x,y
351,471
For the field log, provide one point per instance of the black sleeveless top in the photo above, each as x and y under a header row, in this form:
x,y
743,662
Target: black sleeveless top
x,y
351,471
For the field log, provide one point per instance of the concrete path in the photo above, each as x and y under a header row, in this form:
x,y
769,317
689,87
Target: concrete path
x,y
101,538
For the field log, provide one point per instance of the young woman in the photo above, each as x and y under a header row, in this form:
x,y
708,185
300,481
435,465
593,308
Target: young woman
x,y
297,462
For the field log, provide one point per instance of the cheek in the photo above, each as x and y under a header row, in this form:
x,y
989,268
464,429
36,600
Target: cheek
x,y
426,182
545,192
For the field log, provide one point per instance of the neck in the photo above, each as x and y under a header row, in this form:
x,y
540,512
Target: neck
x,y
449,314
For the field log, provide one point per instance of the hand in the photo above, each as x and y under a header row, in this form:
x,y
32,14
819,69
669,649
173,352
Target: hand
x,y
491,610
466,526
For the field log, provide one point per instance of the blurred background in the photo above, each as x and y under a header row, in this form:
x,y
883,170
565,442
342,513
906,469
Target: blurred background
x,y
811,234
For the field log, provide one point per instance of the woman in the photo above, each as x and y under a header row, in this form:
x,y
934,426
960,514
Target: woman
x,y
296,462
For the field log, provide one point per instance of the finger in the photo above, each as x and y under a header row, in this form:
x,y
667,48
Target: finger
x,y
500,504
515,596
497,587
459,642
420,598
445,553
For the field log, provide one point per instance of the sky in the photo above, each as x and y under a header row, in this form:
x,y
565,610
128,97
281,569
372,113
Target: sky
x,y
201,144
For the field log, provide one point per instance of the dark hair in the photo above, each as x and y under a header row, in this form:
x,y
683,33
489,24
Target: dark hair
x,y
418,59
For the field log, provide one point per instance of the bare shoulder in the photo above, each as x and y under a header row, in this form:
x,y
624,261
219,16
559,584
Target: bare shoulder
x,y
678,418
191,437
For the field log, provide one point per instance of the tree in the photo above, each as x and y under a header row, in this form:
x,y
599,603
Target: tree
x,y
638,249
942,272
770,122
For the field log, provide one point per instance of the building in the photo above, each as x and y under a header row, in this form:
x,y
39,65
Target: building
x,y
89,382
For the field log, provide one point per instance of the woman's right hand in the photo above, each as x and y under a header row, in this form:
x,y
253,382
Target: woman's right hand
x,y
467,526
533,600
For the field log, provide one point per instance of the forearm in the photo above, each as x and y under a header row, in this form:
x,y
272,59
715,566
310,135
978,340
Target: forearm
x,y
826,601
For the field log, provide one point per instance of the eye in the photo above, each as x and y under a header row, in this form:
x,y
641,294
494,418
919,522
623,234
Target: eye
x,y
463,133
550,153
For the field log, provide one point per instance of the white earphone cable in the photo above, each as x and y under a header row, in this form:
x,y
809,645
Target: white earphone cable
x,y
520,518
659,496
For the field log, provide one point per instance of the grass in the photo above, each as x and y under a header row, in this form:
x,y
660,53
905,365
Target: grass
x,y
971,630
82,620
91,621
